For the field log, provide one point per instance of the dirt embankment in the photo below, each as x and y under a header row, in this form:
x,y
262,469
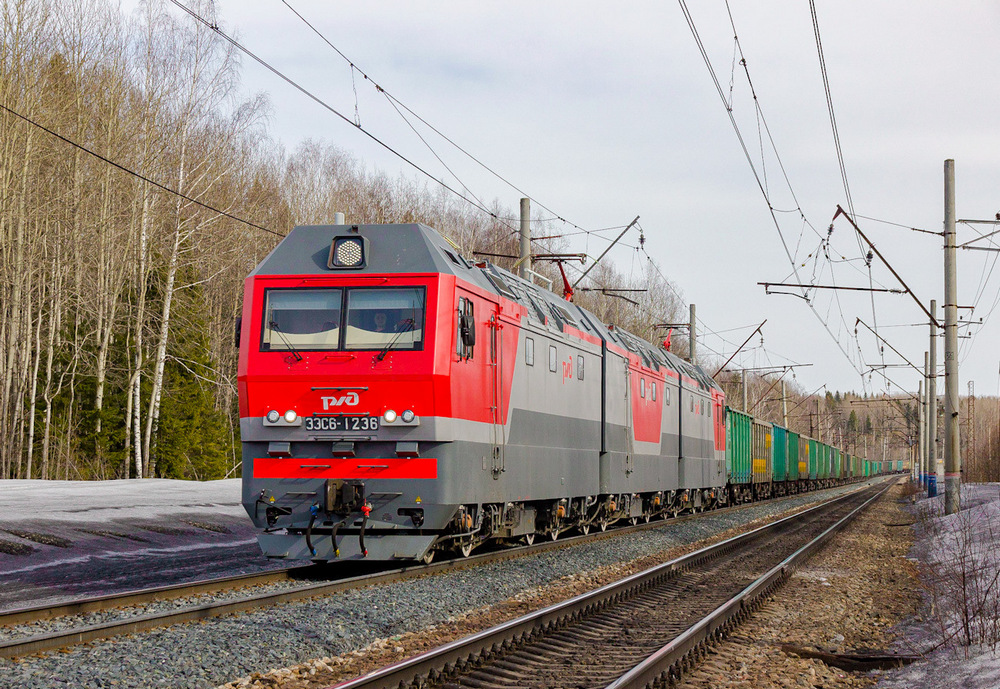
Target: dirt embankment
x,y
847,598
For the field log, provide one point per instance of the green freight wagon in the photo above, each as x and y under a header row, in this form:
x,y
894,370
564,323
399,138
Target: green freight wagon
x,y
899,465
868,468
823,468
803,457
838,468
779,454
738,462
793,455
812,458
858,468
760,448
848,465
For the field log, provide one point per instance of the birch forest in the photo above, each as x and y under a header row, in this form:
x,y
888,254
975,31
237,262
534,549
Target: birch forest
x,y
118,296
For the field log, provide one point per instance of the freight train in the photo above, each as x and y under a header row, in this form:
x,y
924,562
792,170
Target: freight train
x,y
398,400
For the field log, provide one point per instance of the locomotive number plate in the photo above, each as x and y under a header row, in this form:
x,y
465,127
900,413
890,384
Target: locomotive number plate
x,y
341,423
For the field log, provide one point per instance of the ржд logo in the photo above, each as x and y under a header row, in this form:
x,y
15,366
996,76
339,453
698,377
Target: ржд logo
x,y
351,399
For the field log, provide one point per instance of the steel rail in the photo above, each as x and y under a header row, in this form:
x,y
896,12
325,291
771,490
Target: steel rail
x,y
85,634
428,666
147,595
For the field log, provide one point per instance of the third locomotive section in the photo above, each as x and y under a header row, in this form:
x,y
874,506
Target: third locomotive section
x,y
397,400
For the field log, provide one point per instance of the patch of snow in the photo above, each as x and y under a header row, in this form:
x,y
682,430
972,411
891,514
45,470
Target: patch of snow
x,y
28,501
960,557
66,539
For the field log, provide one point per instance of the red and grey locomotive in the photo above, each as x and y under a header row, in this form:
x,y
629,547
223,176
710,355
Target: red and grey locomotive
x,y
397,400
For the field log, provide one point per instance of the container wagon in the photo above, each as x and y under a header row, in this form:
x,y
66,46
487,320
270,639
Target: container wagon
x,y
760,448
739,463
779,459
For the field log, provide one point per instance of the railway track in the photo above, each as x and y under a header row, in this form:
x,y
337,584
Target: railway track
x,y
133,623
637,632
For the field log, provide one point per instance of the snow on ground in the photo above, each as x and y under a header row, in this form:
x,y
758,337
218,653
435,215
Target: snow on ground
x,y
960,559
65,539
98,501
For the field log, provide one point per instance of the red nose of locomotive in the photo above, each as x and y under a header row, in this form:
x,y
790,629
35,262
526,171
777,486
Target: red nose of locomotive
x,y
337,386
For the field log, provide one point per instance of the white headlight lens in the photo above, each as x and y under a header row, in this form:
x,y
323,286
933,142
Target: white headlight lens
x,y
348,252
408,415
389,416
290,416
273,416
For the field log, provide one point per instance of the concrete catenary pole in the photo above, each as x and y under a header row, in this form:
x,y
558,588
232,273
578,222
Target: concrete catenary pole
x,y
744,386
919,461
932,408
925,460
819,423
952,449
524,267
784,406
692,336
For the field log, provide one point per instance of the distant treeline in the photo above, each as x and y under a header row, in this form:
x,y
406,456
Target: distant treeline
x,y
118,298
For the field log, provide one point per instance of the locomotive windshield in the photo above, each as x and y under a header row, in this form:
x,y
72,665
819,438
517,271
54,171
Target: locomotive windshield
x,y
382,316
333,318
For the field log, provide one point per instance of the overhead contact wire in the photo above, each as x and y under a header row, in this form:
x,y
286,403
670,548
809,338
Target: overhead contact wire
x,y
326,106
708,63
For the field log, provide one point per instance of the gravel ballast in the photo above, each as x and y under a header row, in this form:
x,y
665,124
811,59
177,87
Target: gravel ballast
x,y
219,650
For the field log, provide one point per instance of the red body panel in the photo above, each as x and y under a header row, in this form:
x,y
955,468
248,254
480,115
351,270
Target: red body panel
x,y
391,467
431,382
647,414
274,380
473,381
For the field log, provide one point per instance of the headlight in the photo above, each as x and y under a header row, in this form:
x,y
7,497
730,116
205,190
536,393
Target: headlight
x,y
408,416
273,416
389,416
290,416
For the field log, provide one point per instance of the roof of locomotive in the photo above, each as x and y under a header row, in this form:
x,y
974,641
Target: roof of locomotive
x,y
398,248
417,248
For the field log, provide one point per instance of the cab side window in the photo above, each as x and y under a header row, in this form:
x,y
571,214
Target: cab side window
x,y
465,329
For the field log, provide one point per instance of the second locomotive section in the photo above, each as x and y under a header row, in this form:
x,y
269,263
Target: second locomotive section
x,y
397,400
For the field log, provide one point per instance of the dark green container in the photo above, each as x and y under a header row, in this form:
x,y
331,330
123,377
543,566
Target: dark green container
x,y
812,458
779,453
793,455
738,432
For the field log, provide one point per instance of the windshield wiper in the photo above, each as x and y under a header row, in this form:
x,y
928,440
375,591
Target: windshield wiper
x,y
295,352
407,326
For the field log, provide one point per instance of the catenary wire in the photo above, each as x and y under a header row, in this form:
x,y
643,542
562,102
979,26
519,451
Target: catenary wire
x,y
326,106
402,105
704,54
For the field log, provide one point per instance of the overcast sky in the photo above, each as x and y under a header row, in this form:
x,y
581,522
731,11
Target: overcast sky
x,y
603,112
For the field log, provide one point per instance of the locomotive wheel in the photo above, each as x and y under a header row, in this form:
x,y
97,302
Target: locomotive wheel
x,y
465,549
528,538
585,529
646,516
634,521
603,524
554,534
428,557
